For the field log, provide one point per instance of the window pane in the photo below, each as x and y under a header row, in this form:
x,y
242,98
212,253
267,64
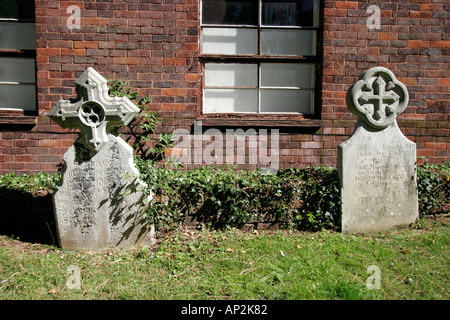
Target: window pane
x,y
17,70
287,75
229,41
17,35
231,75
294,101
18,96
17,9
288,42
229,12
230,100
288,13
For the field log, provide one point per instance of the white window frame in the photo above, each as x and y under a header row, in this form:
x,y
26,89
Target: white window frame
x,y
24,103
260,59
260,88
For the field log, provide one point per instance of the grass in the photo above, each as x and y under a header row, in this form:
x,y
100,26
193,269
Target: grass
x,y
230,264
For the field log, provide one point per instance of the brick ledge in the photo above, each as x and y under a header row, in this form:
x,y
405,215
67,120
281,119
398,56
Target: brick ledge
x,y
315,123
18,120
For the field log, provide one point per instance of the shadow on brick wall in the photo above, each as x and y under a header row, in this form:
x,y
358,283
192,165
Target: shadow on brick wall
x,y
27,217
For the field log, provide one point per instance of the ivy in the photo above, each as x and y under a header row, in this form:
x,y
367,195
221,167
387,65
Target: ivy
x,y
224,196
320,198
48,182
433,186
147,144
306,199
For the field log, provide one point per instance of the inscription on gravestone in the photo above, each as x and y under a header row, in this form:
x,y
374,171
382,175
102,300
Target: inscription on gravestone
x,y
100,202
377,164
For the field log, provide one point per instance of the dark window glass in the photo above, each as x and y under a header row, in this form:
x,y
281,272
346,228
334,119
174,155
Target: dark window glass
x,y
288,13
229,12
17,9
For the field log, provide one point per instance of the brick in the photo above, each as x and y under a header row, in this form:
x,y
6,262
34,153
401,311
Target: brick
x,y
174,92
85,45
96,21
73,52
439,44
97,52
431,7
24,158
311,145
26,143
418,44
175,61
347,4
126,60
95,37
15,166
48,51
425,152
388,36
126,45
132,30
126,14
163,38
420,14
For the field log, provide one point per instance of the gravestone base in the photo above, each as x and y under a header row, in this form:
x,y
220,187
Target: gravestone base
x,y
100,202
377,172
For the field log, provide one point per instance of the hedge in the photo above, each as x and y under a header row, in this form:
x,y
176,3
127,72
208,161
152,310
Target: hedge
x,y
306,199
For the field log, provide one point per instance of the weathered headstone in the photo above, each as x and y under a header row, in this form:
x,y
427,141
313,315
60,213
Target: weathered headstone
x,y
100,202
377,164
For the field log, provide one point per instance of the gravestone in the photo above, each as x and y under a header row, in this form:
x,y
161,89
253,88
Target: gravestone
x,y
100,202
377,164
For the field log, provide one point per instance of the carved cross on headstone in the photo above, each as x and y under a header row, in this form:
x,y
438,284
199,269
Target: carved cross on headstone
x,y
93,112
381,99
377,98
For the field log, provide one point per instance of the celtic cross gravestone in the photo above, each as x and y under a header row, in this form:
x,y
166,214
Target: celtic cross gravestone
x,y
377,164
101,200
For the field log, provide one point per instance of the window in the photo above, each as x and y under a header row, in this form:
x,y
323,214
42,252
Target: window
x,y
259,55
17,55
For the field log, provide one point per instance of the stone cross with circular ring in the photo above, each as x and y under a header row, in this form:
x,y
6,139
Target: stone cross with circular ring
x,y
93,112
377,98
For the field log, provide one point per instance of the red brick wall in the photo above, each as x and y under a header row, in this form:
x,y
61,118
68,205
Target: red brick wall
x,y
413,43
155,46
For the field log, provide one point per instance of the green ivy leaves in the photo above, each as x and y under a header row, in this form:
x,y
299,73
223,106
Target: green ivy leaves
x,y
433,186
146,143
225,196
306,199
30,183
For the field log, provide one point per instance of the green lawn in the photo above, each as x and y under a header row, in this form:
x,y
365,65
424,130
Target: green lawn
x,y
413,263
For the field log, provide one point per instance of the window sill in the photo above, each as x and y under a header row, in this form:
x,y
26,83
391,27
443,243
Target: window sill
x,y
17,53
260,58
18,120
275,123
